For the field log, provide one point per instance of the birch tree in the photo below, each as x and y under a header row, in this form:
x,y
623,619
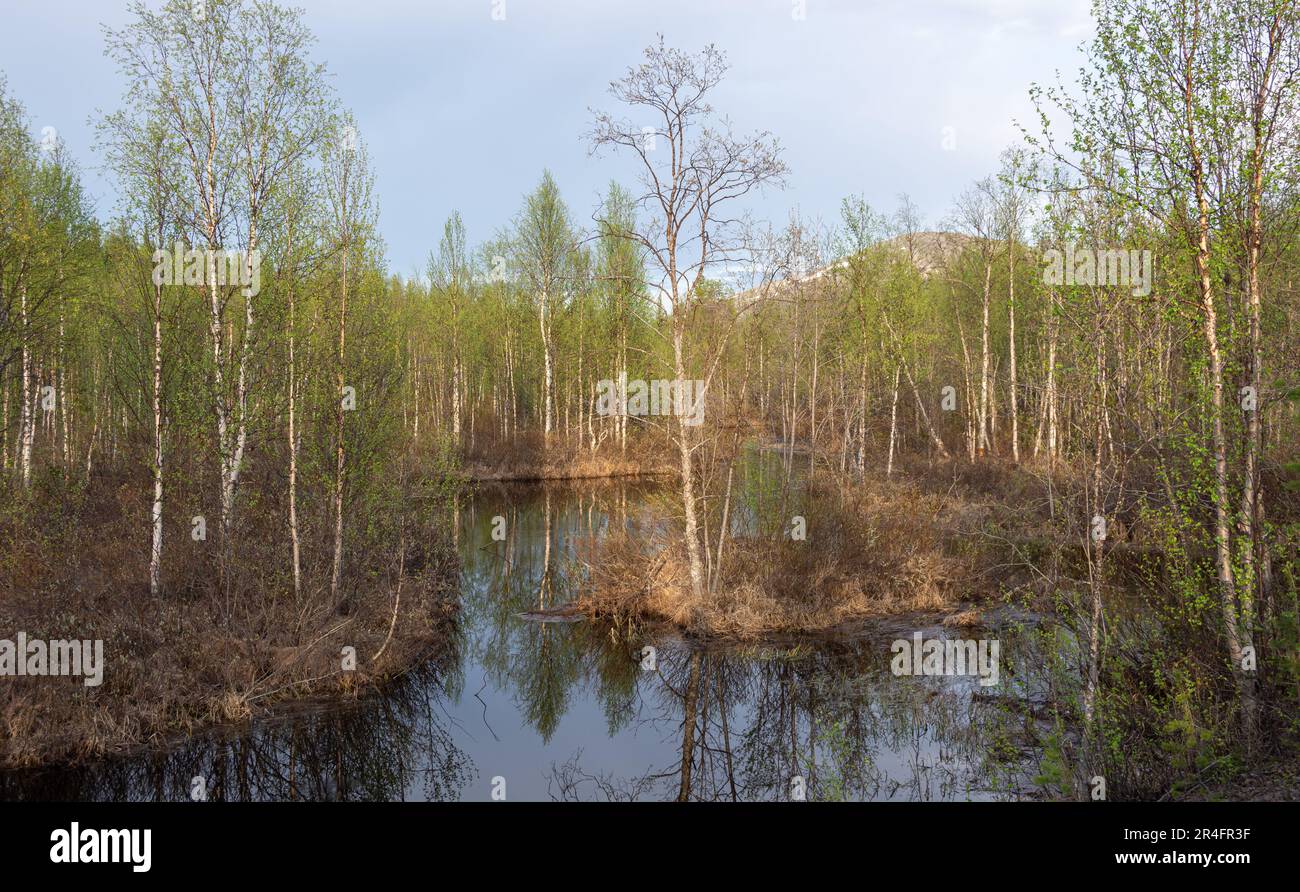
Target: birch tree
x,y
693,170
348,186
233,84
544,238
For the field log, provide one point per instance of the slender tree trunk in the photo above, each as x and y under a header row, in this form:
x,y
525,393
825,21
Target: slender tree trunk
x,y
155,552
687,470
292,433
1237,636
812,400
968,391
63,380
27,421
1251,499
1053,337
455,398
548,394
893,424
863,404
1011,334
984,364
340,455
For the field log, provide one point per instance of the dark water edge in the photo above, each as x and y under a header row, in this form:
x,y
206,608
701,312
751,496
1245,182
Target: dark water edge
x,y
579,711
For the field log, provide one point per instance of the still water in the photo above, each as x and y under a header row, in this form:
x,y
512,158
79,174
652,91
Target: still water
x,y
570,710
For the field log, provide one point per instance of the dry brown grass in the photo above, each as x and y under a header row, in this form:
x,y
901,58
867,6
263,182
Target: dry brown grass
x,y
965,619
528,458
202,653
878,549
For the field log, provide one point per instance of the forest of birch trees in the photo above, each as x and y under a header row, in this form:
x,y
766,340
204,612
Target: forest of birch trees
x,y
1112,313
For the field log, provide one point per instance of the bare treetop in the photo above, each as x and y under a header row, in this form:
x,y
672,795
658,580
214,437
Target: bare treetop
x,y
692,162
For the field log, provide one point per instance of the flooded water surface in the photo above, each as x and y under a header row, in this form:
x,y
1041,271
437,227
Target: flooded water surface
x,y
525,709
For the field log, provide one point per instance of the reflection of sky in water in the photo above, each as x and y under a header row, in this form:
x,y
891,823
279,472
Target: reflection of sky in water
x,y
563,710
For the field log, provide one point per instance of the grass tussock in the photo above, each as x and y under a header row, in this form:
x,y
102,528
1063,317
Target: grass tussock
x,y
877,549
529,458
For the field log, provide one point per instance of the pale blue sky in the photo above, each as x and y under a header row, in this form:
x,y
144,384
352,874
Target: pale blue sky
x,y
463,111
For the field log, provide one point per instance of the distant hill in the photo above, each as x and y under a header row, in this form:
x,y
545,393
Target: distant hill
x,y
931,251
928,251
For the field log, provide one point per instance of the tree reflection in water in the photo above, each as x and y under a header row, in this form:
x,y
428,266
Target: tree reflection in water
x,y
545,703
389,747
750,721
743,723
